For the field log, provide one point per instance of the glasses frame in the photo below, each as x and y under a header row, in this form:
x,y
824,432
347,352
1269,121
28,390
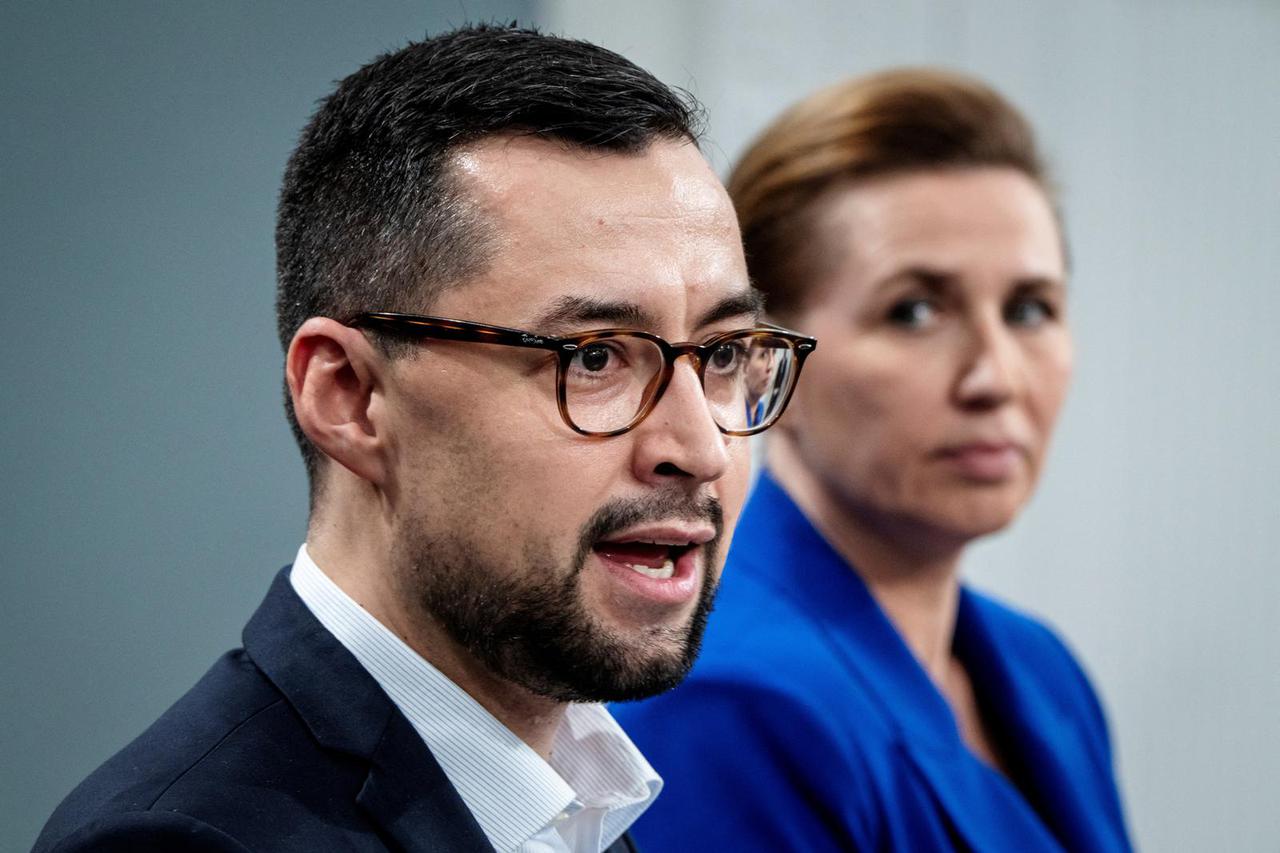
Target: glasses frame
x,y
566,346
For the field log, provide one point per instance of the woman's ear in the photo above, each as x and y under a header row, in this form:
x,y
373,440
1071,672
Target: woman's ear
x,y
333,373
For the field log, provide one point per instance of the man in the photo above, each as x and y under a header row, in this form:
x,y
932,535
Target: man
x,y
507,526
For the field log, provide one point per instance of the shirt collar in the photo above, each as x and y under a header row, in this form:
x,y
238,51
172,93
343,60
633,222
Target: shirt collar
x,y
510,789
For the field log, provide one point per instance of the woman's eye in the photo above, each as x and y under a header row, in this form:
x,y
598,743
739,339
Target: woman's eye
x,y
1028,312
912,313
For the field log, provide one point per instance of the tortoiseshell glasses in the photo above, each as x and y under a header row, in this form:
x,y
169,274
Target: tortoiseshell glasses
x,y
609,380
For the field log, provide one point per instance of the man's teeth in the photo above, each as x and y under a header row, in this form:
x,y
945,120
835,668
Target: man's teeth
x,y
666,570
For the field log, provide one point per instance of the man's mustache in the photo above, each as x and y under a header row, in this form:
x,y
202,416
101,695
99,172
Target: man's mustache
x,y
674,505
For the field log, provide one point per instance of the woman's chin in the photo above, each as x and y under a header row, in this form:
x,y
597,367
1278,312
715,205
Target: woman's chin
x,y
967,517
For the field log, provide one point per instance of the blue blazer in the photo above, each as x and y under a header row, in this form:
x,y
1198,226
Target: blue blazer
x,y
285,745
808,725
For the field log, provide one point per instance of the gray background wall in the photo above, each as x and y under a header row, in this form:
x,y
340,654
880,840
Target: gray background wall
x,y
150,487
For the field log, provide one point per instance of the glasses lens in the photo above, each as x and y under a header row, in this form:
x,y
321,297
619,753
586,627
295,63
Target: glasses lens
x,y
609,380
748,379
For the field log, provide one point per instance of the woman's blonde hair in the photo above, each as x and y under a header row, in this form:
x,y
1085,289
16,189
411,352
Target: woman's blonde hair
x,y
904,120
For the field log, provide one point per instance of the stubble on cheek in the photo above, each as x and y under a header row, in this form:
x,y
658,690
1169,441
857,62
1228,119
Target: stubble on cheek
x,y
488,549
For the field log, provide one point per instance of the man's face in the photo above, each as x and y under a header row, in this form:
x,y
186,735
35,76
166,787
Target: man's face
x,y
580,568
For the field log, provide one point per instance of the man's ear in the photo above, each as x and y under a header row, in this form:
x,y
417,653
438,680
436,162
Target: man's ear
x,y
333,374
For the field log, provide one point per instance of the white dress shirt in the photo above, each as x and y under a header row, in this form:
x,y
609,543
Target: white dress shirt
x,y
596,784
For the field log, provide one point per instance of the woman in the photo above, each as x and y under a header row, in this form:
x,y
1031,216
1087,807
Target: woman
x,y
852,693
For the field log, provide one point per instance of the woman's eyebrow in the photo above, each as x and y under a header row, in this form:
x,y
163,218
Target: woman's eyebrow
x,y
935,280
1034,283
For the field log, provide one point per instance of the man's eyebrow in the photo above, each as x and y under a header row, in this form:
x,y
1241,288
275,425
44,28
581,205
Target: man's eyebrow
x,y
749,302
575,311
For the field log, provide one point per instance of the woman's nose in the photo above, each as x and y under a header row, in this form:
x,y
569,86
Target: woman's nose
x,y
990,373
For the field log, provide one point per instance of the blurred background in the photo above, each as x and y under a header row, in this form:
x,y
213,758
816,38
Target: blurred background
x,y
151,489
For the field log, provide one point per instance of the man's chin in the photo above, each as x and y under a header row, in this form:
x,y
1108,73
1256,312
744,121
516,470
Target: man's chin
x,y
614,670
634,687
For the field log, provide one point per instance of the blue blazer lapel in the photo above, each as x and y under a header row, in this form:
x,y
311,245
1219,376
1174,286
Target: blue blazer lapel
x,y
982,807
406,793
1063,792
1059,765
785,551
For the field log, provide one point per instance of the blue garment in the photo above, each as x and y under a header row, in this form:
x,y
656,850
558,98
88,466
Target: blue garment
x,y
808,725
285,745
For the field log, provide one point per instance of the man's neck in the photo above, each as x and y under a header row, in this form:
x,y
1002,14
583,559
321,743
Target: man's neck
x,y
369,581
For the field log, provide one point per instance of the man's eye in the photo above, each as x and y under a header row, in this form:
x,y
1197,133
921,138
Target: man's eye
x,y
1028,312
912,313
727,357
593,358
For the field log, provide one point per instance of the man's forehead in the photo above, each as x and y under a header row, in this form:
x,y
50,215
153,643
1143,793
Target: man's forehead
x,y
509,175
648,238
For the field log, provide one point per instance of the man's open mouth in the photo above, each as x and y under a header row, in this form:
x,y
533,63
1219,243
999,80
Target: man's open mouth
x,y
654,559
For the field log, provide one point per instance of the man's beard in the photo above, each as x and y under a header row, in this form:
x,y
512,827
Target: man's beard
x,y
528,624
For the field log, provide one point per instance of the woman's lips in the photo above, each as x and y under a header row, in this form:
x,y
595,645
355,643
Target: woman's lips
x,y
988,462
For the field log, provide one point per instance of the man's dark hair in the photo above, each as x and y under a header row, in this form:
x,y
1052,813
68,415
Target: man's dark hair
x,y
371,218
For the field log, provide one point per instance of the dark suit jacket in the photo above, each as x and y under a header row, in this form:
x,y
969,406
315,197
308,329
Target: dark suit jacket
x,y
834,737
284,745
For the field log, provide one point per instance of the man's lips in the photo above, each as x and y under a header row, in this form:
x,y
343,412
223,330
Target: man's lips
x,y
640,554
658,563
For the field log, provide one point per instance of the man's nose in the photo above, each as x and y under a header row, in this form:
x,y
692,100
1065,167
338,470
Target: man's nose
x,y
679,439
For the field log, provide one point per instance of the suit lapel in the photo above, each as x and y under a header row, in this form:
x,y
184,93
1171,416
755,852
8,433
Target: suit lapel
x,y
405,793
623,845
419,809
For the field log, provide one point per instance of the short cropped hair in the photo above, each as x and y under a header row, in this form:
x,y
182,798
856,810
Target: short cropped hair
x,y
903,120
371,217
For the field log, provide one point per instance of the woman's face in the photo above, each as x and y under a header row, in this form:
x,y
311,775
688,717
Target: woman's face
x,y
944,352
